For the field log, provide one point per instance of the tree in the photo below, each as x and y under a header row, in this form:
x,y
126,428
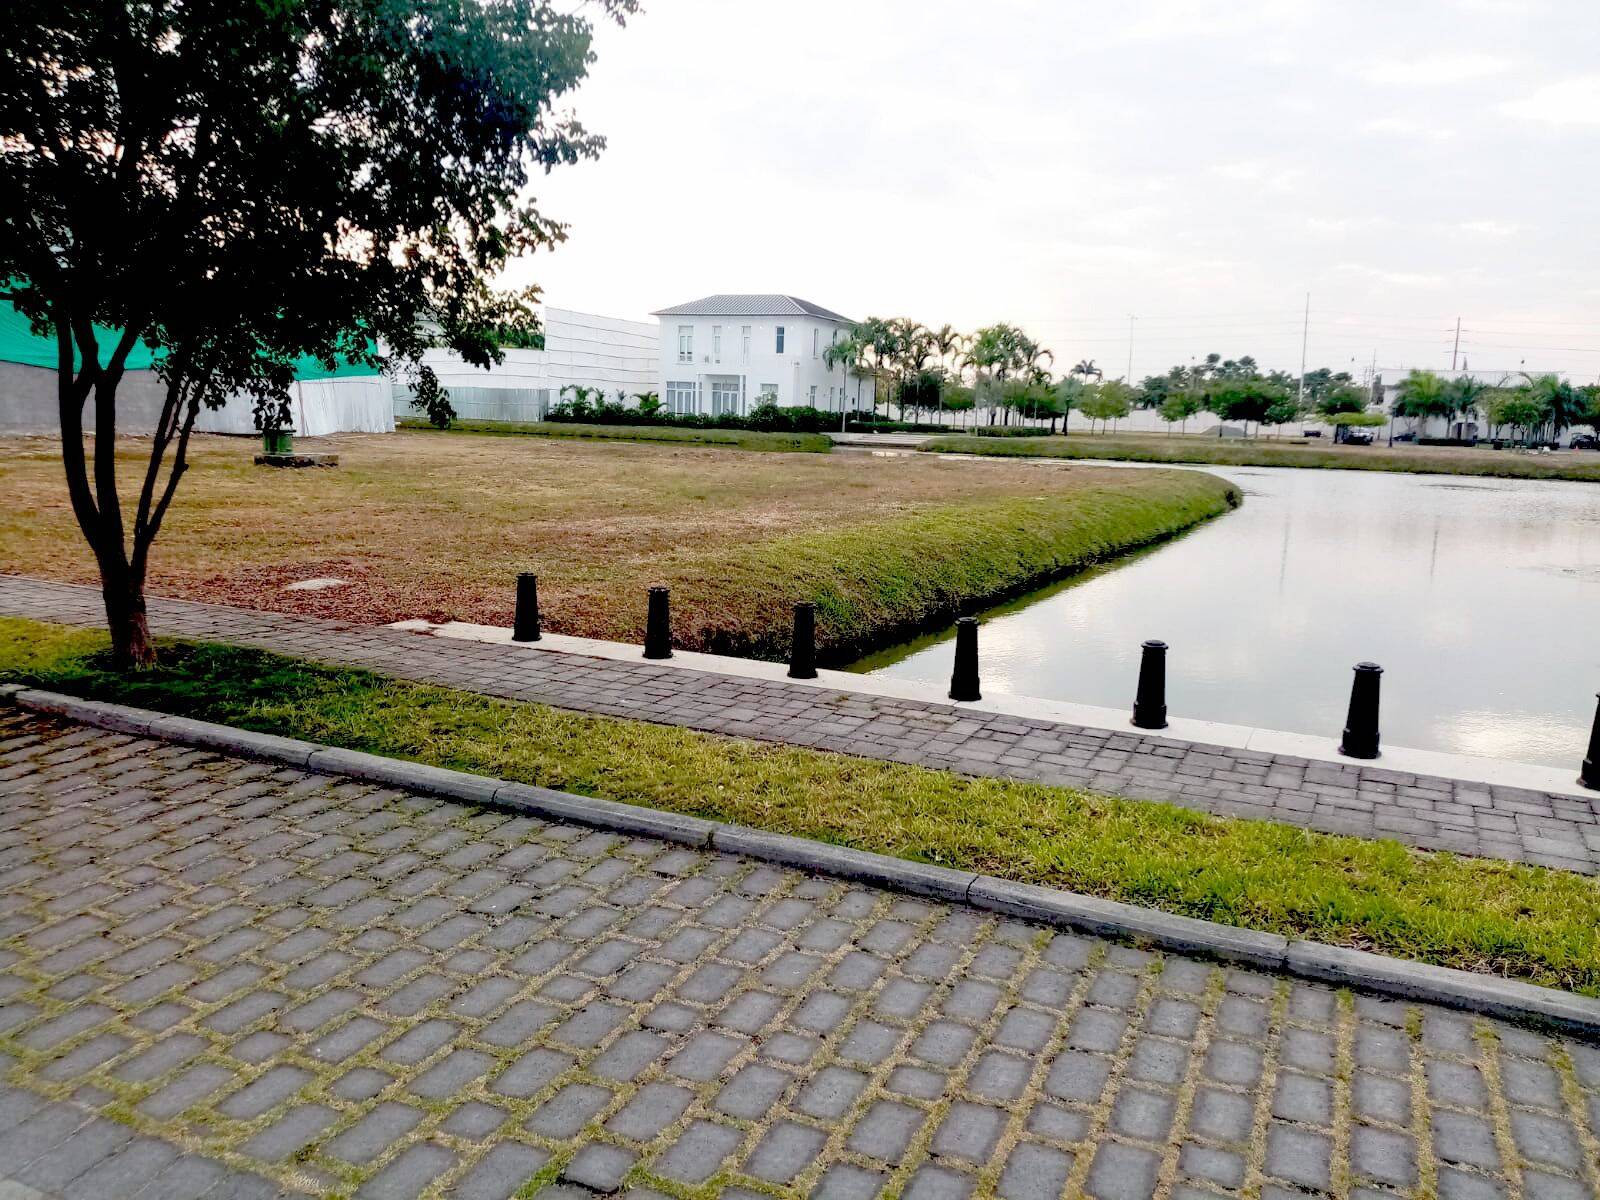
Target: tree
x,y
236,186
1248,398
1464,395
1084,368
849,353
996,353
1591,408
1179,407
1564,405
1108,401
1421,395
1069,396
1519,408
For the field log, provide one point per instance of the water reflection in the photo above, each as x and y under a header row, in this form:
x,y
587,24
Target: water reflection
x,y
1479,597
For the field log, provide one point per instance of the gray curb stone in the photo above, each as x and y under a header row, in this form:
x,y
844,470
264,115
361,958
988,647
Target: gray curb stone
x,y
1493,996
1488,994
1110,918
608,814
903,875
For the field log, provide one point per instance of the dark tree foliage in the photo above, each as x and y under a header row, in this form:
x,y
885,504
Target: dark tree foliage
x,y
238,183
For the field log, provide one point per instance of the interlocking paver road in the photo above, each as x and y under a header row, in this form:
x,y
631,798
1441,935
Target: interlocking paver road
x,y
1364,800
224,978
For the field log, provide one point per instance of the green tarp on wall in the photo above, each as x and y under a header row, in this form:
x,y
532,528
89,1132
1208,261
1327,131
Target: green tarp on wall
x,y
19,344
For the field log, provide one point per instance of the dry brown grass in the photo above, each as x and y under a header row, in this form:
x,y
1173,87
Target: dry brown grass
x,y
437,527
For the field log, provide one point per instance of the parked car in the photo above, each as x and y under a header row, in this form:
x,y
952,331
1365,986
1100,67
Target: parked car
x,y
1585,441
1355,438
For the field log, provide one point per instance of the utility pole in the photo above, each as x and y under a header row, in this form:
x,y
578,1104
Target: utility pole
x,y
1456,349
1130,349
1305,334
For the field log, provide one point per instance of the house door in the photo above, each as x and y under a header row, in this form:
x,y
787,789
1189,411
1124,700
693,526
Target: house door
x,y
725,398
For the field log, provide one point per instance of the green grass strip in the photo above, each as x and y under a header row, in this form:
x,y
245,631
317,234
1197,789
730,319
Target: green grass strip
x,y
1238,452
739,439
1478,914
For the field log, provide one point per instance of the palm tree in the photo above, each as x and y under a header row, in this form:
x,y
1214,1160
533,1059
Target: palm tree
x,y
949,344
1421,395
1085,368
1464,394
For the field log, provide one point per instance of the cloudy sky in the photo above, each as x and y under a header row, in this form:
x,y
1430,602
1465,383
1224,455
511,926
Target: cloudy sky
x,y
1198,164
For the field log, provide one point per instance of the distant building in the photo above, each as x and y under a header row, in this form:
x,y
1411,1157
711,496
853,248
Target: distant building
x,y
721,354
580,349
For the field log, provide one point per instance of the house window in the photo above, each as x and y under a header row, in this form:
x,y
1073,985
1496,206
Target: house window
x,y
685,343
769,390
716,343
813,399
816,342
680,399
744,346
779,347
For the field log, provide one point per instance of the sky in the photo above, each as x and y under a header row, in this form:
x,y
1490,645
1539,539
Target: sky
x,y
1200,166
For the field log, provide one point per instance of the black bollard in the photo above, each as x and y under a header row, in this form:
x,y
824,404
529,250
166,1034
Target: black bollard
x,y
1361,725
658,626
1150,701
525,626
803,652
964,680
1591,765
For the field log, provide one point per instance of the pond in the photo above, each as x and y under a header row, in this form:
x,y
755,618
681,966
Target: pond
x,y
1479,597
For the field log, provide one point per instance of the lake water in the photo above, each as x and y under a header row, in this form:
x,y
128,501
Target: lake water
x,y
1479,597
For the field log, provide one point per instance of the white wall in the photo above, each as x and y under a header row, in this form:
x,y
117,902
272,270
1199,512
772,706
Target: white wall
x,y
792,373
580,349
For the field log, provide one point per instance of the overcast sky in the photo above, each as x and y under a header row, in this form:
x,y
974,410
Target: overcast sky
x,y
1199,164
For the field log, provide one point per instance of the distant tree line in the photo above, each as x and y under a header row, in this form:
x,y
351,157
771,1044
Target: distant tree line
x,y
1536,408
1006,375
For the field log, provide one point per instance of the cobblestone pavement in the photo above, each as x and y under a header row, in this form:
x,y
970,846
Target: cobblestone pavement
x,y
1367,801
229,977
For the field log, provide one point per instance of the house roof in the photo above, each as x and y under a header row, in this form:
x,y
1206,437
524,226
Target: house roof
x,y
766,305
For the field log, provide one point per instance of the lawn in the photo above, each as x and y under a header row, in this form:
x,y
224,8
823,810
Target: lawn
x,y
437,526
1270,452
1481,915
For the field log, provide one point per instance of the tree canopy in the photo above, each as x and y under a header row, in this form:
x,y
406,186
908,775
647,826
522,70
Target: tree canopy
x,y
239,185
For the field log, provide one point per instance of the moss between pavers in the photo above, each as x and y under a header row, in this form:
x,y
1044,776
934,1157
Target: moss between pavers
x,y
1477,914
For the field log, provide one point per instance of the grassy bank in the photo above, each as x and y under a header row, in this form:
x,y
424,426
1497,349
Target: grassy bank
x,y
433,526
740,439
1425,460
1480,915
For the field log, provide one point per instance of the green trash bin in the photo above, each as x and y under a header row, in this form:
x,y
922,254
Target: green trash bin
x,y
277,441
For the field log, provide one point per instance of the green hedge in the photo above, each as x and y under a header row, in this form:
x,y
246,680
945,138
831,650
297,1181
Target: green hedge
x,y
742,439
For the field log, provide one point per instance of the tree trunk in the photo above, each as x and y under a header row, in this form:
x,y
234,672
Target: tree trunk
x,y
126,617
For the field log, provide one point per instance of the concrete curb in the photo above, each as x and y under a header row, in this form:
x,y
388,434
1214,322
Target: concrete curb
x,y
1490,995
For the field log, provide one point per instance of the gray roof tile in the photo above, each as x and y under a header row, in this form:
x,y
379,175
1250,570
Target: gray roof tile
x,y
767,305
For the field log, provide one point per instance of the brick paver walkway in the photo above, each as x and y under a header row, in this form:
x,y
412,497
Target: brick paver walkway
x,y
1368,801
229,978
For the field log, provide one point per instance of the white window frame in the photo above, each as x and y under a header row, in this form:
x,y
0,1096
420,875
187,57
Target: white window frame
x,y
812,399
744,343
685,343
716,343
769,389
778,340
816,342
680,397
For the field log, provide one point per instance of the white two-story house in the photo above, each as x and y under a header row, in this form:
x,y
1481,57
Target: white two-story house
x,y
722,354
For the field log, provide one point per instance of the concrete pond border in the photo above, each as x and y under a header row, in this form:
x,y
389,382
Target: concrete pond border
x,y
1492,996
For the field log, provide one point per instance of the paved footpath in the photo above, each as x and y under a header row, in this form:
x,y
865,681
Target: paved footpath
x,y
1367,801
228,979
